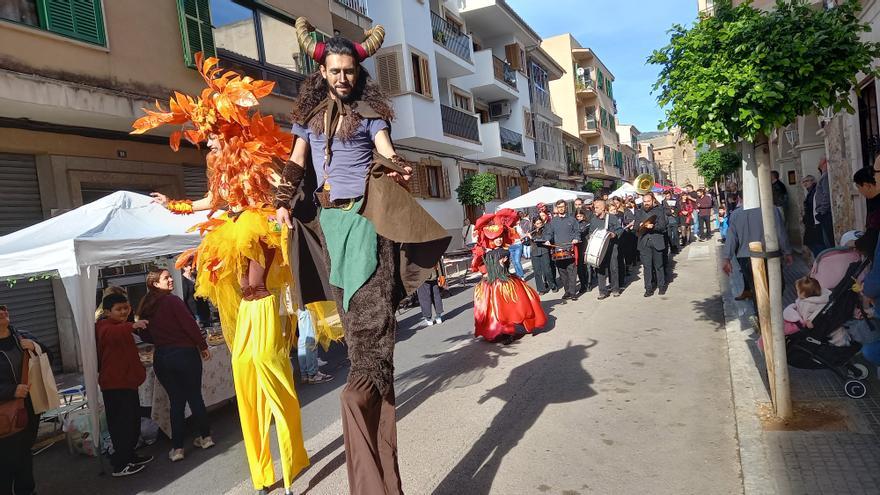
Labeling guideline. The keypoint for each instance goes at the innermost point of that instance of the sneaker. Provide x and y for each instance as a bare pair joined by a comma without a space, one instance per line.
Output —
128,470
140,461
321,362
317,378
203,442
602,296
175,455
617,294
427,322
438,320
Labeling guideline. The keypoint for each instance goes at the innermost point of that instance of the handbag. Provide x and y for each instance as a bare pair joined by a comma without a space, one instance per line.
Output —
43,390
13,413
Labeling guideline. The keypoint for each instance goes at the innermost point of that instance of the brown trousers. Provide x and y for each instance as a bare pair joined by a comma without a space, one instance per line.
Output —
369,424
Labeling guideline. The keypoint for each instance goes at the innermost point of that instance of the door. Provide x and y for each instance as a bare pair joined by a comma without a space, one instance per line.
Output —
868,126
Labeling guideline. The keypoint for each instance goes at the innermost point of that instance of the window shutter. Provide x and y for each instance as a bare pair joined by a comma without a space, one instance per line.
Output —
195,29
79,19
523,185
427,86
446,191
528,124
388,72
511,52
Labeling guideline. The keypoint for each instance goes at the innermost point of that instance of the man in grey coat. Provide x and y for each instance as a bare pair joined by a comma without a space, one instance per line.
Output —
745,226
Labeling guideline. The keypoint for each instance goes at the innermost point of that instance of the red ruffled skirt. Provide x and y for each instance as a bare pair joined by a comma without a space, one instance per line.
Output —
501,305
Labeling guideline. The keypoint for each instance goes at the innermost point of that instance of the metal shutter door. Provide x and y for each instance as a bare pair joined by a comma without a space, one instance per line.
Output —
195,182
31,304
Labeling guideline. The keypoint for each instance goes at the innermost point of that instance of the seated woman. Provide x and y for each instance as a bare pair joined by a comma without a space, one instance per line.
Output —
501,299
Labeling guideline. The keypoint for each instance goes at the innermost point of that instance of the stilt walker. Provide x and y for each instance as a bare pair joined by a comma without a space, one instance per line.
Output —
381,245
241,265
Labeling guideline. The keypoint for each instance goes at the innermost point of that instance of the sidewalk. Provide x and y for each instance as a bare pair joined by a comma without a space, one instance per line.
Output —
839,454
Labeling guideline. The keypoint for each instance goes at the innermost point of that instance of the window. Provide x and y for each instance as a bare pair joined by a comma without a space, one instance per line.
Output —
454,22
389,72
462,101
601,78
483,111
421,74
528,124
540,86
82,20
237,32
429,180
604,117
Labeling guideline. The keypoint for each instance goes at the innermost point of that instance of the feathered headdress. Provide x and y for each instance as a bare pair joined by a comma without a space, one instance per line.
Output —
247,143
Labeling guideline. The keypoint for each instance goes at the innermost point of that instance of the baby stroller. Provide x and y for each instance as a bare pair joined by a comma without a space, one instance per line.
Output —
836,269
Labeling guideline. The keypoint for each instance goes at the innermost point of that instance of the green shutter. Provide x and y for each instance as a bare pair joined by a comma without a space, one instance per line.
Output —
79,19
195,29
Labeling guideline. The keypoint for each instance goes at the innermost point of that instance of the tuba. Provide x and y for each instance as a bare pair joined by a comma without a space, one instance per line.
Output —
644,183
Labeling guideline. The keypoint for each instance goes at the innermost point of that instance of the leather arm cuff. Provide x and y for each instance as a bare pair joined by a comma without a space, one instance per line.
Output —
291,177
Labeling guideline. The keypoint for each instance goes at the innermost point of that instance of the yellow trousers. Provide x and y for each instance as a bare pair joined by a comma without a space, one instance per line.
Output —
264,389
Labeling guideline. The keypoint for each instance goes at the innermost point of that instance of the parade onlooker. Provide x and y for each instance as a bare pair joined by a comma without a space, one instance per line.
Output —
582,267
723,223
812,230
704,205
515,250
120,373
16,459
609,266
671,206
430,299
822,205
307,350
545,280
650,224
198,307
177,358
563,233
524,227
695,220
467,234
745,226
780,193
686,215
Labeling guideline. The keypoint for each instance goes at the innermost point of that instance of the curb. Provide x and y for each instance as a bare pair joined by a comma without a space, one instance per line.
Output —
748,391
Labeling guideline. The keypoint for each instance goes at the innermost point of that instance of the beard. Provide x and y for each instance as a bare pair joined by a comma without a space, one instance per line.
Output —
350,97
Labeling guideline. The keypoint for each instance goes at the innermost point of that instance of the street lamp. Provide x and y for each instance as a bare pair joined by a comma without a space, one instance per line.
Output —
830,4
791,135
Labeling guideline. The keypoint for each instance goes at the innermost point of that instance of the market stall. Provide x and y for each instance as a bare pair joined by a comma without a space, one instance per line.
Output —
120,228
545,194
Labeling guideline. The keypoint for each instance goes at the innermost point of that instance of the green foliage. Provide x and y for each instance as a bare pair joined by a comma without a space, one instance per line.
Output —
477,189
716,163
743,72
593,186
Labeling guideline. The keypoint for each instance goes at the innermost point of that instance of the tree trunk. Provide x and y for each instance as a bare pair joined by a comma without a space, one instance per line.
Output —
777,361
749,176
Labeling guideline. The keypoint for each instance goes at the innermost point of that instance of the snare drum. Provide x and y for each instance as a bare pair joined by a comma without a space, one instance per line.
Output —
563,253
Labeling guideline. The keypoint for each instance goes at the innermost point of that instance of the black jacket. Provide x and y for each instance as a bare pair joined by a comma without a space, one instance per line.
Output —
614,226
651,238
539,249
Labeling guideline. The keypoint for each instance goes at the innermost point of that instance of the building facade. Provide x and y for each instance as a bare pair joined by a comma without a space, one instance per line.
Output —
674,156
74,77
585,101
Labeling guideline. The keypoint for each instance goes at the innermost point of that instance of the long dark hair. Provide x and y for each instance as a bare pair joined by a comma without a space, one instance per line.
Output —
148,304
315,89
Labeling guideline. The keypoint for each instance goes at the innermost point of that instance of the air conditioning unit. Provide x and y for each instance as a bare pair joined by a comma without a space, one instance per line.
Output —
499,110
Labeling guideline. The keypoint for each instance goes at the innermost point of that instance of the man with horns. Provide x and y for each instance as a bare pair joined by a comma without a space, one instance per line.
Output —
380,243
241,264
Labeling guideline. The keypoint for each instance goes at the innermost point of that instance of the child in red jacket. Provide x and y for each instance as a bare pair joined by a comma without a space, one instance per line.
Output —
120,373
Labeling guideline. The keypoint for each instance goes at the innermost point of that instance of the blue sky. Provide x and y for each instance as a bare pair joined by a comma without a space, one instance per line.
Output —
628,32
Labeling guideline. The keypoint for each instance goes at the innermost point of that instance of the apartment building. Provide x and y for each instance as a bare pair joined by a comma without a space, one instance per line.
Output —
552,165
74,75
629,148
585,101
458,75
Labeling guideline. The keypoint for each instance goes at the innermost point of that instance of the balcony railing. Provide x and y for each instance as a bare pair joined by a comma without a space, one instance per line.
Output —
451,37
595,165
359,6
591,125
583,83
574,168
460,124
511,141
504,72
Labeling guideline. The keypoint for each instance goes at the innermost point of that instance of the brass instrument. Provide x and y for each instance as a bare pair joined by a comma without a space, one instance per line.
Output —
644,183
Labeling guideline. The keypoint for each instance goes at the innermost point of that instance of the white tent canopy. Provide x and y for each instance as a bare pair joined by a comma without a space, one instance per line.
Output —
121,227
626,189
546,195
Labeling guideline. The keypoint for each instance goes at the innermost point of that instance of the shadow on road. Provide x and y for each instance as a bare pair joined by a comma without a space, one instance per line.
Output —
527,392
710,309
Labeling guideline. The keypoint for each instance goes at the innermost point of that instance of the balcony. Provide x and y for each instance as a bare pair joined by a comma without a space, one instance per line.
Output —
511,141
590,128
585,87
449,37
492,79
460,124
600,169
574,169
359,6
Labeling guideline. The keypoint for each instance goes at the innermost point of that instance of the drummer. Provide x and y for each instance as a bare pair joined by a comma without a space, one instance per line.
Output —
564,235
609,265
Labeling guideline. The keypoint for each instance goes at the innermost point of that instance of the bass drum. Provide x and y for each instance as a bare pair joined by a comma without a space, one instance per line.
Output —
597,246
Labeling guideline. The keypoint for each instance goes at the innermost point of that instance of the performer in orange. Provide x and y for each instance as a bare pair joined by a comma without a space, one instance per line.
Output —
501,299
242,266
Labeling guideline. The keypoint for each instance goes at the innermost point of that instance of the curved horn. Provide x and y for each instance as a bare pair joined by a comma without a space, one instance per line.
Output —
306,42
374,40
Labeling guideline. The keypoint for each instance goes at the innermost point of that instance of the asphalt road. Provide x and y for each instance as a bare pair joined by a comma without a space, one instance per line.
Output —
626,395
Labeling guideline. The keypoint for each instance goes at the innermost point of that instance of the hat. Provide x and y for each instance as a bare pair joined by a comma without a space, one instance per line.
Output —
848,239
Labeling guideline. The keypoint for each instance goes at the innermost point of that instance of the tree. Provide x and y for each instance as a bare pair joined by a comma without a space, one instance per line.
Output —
477,189
593,186
716,163
741,72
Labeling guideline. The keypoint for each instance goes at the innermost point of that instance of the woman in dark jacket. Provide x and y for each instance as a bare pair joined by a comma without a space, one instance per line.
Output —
16,461
544,278
177,360
583,218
